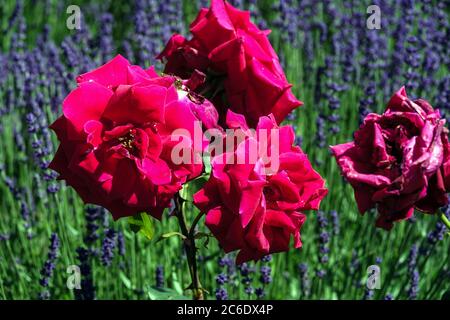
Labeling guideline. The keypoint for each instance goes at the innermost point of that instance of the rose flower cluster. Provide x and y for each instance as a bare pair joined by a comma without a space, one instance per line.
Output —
122,126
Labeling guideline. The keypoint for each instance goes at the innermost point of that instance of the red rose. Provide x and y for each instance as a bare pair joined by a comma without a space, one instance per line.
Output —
184,57
227,42
399,161
116,138
253,206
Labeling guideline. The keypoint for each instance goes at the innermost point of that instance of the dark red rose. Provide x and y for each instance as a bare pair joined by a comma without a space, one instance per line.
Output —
399,160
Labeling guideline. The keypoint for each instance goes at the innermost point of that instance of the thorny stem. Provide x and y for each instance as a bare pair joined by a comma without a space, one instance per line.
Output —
189,246
194,224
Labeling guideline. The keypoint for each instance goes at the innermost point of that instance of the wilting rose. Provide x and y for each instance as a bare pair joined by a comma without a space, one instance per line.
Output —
229,45
399,160
116,138
251,205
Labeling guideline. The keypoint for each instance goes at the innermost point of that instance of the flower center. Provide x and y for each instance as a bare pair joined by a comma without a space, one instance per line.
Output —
272,193
128,140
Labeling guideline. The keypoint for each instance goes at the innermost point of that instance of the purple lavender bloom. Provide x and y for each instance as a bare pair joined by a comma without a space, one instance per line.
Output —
228,273
244,269
258,18
225,262
9,100
159,277
4,237
398,53
18,12
413,63
305,284
298,140
69,50
235,3
108,246
246,275
413,273
52,188
221,279
302,268
205,3
49,266
443,97
291,116
87,291
367,101
334,118
355,263
335,221
26,216
320,133
142,29
106,41
92,216
265,277
389,297
31,122
221,294
121,243
320,273
368,294
324,237
260,293
19,37
350,51
11,183
287,21
436,235
128,50
412,258
414,285
249,290
335,129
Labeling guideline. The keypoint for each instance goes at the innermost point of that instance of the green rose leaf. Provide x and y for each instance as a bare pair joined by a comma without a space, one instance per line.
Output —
164,294
170,234
207,163
205,235
190,188
142,223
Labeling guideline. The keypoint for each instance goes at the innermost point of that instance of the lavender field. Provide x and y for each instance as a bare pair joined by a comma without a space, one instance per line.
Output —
339,68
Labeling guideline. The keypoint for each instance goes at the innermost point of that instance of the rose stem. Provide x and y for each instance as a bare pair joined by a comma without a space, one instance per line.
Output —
189,246
444,220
